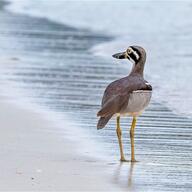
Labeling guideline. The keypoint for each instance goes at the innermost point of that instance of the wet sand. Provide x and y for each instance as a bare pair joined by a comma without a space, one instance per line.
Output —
35,156
55,69
35,159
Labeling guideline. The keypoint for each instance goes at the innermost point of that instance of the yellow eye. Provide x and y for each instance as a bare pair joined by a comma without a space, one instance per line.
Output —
129,50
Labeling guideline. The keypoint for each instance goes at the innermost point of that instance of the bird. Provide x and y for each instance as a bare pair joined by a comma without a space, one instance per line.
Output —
128,96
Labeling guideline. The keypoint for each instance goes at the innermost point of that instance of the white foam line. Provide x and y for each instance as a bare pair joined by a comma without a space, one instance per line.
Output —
11,92
62,122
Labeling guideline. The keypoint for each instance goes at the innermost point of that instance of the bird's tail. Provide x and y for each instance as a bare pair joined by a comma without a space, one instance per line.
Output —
103,121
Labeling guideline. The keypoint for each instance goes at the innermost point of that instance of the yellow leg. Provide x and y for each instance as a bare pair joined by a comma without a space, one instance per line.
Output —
132,133
118,130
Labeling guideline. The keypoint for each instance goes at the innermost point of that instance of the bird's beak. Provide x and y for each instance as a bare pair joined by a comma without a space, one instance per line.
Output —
122,55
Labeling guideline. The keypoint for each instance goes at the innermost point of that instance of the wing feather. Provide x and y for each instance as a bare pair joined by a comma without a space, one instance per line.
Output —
114,104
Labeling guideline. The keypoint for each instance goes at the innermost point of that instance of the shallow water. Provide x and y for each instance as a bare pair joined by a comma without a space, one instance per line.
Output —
161,27
51,65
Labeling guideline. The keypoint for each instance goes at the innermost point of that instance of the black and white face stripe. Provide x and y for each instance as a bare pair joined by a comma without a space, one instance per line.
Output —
133,54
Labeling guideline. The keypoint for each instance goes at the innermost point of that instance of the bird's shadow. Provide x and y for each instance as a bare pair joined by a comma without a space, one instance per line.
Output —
124,175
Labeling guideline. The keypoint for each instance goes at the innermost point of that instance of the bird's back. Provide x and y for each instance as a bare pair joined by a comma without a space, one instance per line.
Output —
117,94
129,83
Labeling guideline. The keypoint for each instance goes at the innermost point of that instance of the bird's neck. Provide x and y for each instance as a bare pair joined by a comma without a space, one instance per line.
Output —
138,67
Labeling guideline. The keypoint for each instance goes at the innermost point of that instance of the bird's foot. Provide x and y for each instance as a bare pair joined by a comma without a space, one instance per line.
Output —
124,160
130,161
134,161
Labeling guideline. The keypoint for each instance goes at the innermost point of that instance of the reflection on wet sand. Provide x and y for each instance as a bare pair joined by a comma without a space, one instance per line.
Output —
124,175
130,181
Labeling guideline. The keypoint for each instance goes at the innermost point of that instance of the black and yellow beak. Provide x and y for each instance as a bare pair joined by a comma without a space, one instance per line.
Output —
122,55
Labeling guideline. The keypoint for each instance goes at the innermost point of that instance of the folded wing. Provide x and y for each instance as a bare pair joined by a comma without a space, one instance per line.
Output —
114,104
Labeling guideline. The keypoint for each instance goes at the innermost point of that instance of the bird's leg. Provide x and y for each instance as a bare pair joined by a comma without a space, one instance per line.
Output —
118,130
132,130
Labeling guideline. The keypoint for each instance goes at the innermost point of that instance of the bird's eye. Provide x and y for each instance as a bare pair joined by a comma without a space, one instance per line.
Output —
129,50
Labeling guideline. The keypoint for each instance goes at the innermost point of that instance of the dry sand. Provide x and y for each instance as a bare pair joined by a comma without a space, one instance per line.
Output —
33,157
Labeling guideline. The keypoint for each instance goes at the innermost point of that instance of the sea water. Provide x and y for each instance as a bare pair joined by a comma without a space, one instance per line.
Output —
55,70
163,28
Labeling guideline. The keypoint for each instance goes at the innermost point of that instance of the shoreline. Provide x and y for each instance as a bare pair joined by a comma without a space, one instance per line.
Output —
56,70
35,154
34,158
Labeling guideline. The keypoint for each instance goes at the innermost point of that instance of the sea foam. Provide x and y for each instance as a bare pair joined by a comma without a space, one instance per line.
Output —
162,28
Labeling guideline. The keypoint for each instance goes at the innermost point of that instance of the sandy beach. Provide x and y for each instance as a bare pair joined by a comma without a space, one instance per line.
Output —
35,154
35,159
51,89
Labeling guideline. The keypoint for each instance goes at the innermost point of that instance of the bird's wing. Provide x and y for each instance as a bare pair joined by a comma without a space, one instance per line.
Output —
116,95
114,104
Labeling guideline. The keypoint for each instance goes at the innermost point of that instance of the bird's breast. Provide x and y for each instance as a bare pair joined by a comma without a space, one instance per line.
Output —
138,101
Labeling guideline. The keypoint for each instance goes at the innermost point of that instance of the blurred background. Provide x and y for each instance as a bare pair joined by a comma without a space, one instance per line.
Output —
163,28
58,59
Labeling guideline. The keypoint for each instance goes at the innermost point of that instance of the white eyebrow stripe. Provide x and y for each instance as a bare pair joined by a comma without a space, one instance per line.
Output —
131,59
136,54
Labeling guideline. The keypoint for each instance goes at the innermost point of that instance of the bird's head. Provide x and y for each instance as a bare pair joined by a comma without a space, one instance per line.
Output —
133,53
